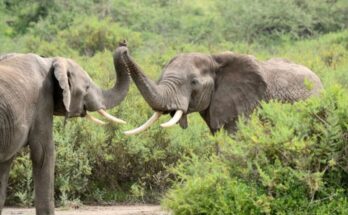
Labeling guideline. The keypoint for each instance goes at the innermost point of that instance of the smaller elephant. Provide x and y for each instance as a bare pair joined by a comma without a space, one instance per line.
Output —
221,87
32,90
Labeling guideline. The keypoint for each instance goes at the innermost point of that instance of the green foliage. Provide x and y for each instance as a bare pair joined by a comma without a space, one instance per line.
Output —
94,35
254,20
284,158
204,187
27,13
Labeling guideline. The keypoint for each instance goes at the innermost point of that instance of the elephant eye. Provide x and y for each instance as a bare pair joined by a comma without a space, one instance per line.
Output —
194,82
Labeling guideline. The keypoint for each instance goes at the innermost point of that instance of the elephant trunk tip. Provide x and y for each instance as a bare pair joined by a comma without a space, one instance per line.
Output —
123,43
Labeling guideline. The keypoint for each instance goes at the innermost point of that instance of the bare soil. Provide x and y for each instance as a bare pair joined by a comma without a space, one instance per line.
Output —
95,210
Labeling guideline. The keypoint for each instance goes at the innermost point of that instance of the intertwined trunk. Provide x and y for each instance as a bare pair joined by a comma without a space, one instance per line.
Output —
118,92
154,95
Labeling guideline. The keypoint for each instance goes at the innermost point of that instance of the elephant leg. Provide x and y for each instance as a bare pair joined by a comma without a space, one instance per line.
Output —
43,158
4,173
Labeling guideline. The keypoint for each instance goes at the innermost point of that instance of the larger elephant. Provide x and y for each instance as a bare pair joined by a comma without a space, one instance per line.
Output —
32,90
221,87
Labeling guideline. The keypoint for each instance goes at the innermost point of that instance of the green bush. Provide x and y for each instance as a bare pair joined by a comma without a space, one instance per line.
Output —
268,19
204,187
284,158
91,35
26,13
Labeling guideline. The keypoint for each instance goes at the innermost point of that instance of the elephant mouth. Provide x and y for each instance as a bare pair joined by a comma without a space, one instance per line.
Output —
183,120
84,111
83,114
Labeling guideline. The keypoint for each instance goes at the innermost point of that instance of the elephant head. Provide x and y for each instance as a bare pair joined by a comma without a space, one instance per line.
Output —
75,93
220,87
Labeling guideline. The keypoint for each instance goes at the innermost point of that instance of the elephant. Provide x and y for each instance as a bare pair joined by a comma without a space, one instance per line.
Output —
220,87
32,90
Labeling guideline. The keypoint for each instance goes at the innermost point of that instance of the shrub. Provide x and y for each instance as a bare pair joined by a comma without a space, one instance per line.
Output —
254,20
91,35
284,158
26,13
206,188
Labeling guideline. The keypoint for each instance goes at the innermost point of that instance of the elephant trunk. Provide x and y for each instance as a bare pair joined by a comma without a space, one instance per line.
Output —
118,92
114,96
153,94
161,97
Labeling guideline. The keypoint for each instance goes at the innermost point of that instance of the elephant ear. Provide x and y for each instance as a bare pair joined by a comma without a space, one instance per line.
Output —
62,75
239,86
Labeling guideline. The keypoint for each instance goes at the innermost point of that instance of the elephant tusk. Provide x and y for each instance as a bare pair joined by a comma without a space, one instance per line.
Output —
178,114
146,125
93,119
109,117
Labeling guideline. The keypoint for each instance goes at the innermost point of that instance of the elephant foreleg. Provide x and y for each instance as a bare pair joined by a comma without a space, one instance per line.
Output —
4,173
43,158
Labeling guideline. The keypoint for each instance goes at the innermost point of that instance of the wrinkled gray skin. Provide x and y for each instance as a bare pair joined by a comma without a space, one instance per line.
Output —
223,86
32,90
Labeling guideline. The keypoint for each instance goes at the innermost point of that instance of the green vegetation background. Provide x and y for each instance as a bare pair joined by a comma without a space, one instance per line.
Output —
285,158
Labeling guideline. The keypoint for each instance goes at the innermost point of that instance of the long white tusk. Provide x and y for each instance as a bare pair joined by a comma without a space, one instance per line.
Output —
177,116
109,117
146,125
93,119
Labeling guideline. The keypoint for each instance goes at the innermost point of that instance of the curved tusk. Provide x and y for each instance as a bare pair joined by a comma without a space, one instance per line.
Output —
146,125
93,119
177,116
110,117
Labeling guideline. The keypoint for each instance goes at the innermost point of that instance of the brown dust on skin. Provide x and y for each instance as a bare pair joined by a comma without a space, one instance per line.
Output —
95,210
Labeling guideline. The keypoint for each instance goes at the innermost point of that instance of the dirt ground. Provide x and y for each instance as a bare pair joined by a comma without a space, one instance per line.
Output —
95,210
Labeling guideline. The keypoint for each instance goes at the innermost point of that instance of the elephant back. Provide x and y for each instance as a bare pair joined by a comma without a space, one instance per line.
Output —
289,82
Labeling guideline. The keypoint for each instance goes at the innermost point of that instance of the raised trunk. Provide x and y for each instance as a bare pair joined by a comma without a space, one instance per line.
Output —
153,94
118,92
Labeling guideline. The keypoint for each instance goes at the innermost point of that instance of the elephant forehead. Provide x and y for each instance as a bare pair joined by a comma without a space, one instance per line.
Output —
189,61
77,71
